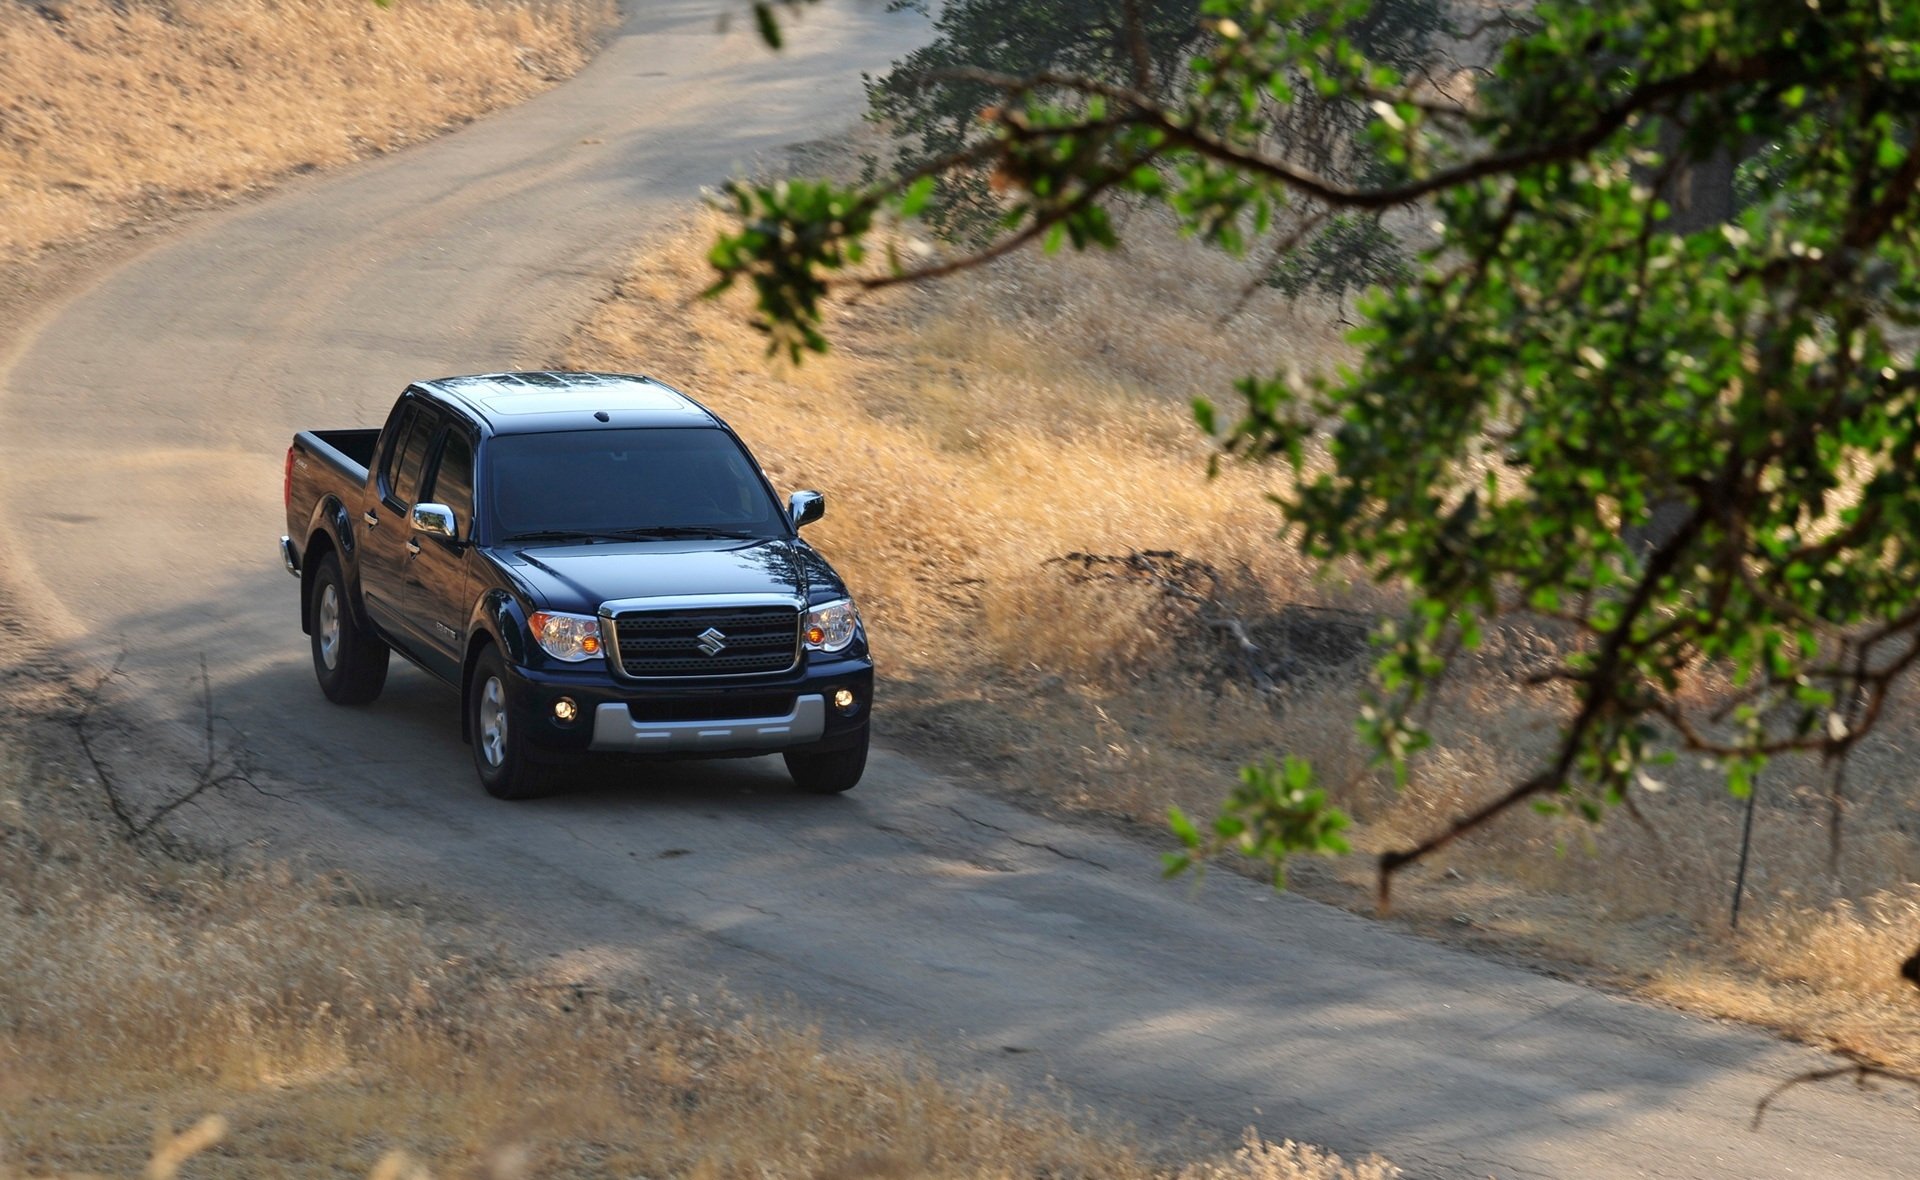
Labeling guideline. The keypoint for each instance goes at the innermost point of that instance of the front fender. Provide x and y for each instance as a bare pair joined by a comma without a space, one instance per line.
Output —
497,618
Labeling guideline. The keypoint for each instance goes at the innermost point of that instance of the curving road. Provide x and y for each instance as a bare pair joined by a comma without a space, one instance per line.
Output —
141,428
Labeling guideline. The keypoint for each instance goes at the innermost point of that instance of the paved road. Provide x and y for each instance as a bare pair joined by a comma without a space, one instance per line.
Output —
141,428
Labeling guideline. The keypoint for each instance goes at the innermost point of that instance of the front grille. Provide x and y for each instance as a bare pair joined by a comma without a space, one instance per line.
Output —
754,640
727,707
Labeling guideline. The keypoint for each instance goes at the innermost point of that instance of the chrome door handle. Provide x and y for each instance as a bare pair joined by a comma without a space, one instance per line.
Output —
370,518
413,547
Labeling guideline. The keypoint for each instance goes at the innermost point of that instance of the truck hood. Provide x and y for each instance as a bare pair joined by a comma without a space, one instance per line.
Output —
579,577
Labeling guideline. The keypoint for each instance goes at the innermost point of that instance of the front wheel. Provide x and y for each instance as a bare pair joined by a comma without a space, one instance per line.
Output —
829,773
349,662
500,753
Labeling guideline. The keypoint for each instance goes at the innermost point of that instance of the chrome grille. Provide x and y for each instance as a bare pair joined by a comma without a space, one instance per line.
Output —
752,640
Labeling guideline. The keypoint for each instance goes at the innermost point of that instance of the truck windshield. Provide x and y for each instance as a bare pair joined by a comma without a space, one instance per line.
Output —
619,483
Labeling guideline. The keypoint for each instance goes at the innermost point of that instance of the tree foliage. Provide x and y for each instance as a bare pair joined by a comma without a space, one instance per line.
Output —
1560,365
932,102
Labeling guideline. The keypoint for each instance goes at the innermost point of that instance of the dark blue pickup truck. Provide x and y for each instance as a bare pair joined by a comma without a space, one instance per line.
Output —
595,562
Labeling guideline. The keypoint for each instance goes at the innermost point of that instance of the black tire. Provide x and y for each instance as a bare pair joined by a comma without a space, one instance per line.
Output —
349,661
506,765
829,773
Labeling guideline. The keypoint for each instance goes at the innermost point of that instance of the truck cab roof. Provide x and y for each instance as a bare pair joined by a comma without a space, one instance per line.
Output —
542,402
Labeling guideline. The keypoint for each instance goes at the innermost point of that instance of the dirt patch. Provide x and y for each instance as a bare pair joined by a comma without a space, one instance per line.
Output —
1227,636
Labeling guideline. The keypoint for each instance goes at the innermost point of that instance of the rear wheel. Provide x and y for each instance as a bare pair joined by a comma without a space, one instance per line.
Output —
829,773
500,753
349,661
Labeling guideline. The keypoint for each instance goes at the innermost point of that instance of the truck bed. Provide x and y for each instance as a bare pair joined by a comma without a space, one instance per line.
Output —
356,447
323,464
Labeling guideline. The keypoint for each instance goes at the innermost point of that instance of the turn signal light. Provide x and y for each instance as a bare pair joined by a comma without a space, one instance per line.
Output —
566,637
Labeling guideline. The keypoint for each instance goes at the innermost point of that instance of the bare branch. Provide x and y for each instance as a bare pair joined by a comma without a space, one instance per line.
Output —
1708,76
1042,223
213,773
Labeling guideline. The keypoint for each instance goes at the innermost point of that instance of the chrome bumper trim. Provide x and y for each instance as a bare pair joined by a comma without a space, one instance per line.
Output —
287,556
614,729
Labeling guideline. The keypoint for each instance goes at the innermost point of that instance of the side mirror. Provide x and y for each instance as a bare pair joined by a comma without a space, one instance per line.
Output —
436,520
806,507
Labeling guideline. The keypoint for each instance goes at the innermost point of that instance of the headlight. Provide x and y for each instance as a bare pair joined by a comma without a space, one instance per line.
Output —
566,637
831,625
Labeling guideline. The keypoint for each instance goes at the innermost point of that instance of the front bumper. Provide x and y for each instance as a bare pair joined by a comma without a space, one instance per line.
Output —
740,718
615,729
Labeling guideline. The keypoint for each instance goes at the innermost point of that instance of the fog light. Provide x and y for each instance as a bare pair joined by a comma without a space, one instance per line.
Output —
564,710
843,699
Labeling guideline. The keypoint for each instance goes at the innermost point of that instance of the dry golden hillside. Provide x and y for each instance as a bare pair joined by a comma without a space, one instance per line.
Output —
111,112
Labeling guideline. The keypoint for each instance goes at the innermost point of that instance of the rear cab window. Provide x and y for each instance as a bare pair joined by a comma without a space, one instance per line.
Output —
407,457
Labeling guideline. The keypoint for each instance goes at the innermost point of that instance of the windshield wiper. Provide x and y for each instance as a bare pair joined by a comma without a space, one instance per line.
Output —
682,530
566,535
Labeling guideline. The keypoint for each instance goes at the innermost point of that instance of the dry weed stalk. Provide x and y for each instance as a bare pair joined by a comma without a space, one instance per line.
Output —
172,1150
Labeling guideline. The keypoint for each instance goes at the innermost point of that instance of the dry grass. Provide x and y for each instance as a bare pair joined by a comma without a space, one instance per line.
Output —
330,1031
971,433
112,110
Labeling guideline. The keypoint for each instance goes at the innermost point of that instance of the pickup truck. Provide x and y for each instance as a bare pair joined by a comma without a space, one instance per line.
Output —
596,564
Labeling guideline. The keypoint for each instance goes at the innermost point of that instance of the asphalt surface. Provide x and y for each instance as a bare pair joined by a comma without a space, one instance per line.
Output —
142,424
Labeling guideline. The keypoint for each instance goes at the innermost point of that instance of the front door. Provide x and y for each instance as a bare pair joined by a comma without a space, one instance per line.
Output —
385,532
434,576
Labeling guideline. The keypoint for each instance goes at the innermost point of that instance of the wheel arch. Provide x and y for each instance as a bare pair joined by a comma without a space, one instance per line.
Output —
318,547
498,621
329,531
477,643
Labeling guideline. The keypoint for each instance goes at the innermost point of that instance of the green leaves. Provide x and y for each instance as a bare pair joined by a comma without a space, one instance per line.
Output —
792,235
914,201
1276,811
767,24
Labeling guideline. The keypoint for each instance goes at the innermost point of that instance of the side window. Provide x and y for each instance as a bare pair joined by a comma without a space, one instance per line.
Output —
403,433
453,480
413,459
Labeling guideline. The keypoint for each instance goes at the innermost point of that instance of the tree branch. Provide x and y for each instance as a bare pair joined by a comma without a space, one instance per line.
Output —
1708,76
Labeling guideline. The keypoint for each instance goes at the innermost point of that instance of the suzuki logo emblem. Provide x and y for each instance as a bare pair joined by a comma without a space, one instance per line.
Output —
712,640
